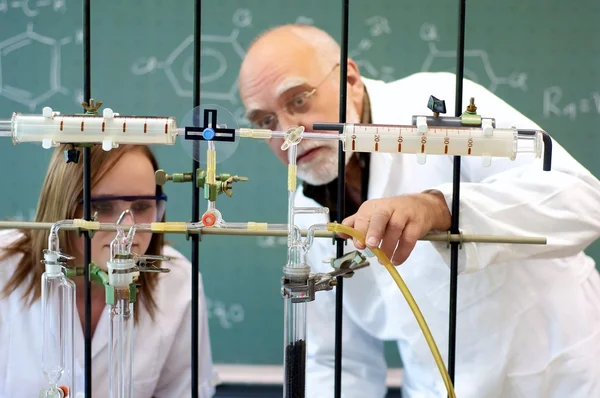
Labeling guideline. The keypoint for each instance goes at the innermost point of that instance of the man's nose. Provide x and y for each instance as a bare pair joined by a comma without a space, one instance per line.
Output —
285,121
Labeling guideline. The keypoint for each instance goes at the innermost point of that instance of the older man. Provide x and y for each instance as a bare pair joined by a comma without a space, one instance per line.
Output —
528,315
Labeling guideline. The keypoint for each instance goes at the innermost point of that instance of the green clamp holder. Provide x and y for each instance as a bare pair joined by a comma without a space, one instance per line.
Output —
470,117
200,178
100,277
224,182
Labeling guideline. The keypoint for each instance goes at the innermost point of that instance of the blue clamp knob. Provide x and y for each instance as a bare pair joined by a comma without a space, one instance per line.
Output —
208,133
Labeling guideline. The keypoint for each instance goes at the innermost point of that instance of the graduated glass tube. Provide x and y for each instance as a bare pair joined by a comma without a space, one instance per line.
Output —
58,307
109,129
121,274
296,273
121,348
294,312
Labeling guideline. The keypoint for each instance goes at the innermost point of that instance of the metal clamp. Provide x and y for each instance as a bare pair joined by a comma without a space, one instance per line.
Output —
61,260
81,232
349,262
146,263
461,239
304,291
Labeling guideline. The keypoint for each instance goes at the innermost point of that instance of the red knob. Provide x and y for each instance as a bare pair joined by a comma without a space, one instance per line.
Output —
208,219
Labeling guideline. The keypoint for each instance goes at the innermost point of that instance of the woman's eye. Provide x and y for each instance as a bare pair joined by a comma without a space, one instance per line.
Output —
141,206
102,207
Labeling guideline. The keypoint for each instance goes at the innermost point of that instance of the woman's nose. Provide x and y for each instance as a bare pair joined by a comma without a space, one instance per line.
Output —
126,218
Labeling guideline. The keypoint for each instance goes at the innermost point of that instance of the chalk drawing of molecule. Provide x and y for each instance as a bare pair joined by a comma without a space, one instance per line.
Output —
429,34
18,49
216,50
32,8
226,314
378,26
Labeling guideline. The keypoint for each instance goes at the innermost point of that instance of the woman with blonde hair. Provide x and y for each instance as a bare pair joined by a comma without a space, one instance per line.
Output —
122,186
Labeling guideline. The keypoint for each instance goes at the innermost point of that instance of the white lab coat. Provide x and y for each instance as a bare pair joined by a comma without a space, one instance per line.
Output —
528,315
162,358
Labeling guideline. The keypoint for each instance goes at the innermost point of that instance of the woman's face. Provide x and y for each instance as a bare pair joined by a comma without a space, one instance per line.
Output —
132,175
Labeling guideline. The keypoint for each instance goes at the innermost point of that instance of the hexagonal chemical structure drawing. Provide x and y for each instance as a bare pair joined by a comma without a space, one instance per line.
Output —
479,69
216,50
41,52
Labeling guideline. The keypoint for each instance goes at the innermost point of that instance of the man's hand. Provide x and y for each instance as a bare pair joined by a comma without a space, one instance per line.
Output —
395,224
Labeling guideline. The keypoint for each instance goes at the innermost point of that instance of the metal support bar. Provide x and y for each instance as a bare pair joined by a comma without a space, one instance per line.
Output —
341,193
195,256
454,228
87,245
433,237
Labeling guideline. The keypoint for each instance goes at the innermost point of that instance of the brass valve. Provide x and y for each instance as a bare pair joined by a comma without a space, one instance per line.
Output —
161,177
226,185
471,108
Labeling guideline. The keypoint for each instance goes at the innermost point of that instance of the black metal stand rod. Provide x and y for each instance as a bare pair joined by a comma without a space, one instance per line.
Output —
341,193
196,199
87,246
454,228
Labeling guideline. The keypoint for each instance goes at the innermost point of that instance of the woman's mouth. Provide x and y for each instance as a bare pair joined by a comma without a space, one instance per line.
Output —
134,246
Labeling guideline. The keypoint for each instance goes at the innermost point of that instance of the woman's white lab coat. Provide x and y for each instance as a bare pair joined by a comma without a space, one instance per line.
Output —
162,353
528,315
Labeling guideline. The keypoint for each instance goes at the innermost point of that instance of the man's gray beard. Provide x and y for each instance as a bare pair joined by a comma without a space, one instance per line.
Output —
323,172
327,170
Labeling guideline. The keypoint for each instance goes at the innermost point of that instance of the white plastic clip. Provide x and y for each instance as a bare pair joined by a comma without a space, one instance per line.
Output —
47,112
107,113
421,158
486,161
422,124
47,143
107,145
488,129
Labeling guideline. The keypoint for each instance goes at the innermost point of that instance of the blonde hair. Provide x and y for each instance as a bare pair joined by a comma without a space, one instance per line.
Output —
59,200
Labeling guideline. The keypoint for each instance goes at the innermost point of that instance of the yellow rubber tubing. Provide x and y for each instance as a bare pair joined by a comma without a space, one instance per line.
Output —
335,227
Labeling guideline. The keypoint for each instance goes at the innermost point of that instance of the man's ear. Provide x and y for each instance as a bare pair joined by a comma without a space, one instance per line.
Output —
356,86
353,74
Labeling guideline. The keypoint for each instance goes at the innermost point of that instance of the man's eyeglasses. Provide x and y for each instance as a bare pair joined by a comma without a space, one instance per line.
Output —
300,103
143,209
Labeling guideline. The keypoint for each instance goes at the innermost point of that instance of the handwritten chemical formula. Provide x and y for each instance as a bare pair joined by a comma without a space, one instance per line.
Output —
226,314
555,106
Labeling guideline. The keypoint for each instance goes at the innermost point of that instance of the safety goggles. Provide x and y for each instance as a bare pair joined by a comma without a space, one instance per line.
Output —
142,209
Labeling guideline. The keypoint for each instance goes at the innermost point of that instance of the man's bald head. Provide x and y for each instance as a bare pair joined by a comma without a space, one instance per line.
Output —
323,47
289,77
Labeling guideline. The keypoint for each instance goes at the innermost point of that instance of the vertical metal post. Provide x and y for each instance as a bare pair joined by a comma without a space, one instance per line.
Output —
87,246
196,197
341,193
454,228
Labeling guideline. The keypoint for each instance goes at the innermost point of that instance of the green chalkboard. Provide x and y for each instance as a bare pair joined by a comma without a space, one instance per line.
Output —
542,57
